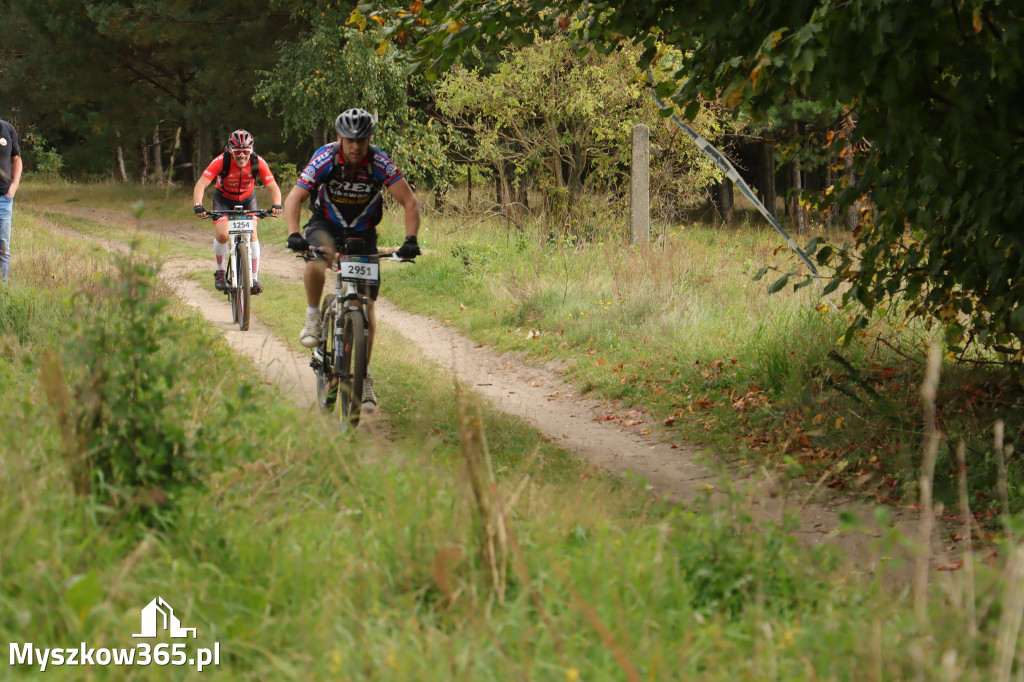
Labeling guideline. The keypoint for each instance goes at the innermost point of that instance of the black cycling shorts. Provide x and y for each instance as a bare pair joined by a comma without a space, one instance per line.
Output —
221,204
322,232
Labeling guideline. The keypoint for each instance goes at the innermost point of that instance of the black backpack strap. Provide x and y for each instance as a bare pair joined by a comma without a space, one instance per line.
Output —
225,165
254,159
254,163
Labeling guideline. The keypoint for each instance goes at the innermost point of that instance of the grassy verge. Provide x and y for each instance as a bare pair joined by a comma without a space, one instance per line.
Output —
307,555
680,330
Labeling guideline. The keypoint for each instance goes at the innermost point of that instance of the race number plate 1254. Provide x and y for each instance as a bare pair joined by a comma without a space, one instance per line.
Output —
240,226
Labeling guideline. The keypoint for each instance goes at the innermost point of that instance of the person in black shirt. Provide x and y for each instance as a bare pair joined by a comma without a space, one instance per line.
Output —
10,178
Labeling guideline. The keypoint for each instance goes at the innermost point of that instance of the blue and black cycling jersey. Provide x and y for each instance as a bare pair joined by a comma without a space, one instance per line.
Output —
349,200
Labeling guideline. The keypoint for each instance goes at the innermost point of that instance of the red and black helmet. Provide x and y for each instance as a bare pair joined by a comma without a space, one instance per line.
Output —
240,139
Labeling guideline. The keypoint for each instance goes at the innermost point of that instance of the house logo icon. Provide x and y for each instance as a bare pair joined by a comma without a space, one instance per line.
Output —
158,614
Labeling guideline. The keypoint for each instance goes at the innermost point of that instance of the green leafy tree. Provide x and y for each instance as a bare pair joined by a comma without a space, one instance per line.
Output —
934,87
104,74
562,120
331,69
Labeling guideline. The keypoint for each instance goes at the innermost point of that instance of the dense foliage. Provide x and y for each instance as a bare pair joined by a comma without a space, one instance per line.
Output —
337,67
559,121
933,88
107,76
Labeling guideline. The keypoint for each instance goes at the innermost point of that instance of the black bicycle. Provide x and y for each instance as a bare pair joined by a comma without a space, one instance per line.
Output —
340,359
238,270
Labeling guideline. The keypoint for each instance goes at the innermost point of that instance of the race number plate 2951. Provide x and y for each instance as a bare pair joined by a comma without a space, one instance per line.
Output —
240,226
360,271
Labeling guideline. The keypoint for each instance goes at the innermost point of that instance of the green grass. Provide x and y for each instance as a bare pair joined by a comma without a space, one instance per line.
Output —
310,555
681,330
164,202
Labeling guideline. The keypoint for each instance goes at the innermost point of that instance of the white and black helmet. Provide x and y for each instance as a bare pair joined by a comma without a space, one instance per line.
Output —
355,124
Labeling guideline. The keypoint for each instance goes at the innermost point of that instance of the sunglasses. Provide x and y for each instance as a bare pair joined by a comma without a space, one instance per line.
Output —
241,152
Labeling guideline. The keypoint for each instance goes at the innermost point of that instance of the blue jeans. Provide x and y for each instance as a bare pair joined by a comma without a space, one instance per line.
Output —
6,213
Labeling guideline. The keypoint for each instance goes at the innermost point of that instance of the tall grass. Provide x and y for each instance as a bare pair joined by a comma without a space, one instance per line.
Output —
309,555
680,329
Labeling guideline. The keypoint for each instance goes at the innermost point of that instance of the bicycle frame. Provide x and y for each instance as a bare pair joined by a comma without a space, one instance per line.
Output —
340,359
238,269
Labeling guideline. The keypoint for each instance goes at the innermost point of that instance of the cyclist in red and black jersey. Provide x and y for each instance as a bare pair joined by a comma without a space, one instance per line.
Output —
235,186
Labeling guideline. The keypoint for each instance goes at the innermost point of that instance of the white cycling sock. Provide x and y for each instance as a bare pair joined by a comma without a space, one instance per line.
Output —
254,248
312,309
219,251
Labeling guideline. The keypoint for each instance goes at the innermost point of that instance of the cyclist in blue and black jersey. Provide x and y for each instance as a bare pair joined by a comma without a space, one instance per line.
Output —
343,182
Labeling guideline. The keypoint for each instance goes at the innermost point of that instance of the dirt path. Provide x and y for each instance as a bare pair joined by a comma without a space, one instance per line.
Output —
537,393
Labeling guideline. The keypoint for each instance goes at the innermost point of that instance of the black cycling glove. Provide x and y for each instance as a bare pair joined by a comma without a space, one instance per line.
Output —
410,249
199,210
296,242
277,207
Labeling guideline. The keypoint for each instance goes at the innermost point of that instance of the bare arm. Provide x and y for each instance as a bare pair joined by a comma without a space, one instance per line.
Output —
275,194
200,189
293,207
16,166
403,194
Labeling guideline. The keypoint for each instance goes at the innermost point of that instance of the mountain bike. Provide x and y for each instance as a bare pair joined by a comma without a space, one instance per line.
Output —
238,269
340,360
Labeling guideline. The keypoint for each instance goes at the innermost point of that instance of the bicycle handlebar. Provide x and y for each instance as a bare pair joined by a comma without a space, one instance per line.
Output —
257,213
320,253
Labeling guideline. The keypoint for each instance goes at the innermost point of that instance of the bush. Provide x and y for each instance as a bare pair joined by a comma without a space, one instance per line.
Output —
118,390
285,172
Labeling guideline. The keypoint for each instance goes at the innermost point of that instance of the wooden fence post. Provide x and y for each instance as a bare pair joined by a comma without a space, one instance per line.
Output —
640,186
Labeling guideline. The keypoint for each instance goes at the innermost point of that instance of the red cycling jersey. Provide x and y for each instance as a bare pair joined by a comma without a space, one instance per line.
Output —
239,183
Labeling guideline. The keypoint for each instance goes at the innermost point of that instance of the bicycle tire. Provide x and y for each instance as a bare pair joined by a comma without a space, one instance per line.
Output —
244,286
229,278
352,372
326,394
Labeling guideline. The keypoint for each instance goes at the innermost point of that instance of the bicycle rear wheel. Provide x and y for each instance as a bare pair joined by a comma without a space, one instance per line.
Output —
326,382
244,266
352,371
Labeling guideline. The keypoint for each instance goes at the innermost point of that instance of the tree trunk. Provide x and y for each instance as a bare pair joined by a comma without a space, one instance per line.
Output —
158,162
188,153
469,187
852,213
499,181
119,158
319,137
144,162
830,181
174,151
724,204
766,176
796,208
522,193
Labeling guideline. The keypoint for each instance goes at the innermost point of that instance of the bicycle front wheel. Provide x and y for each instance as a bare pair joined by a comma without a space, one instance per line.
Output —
244,269
232,292
326,382
352,371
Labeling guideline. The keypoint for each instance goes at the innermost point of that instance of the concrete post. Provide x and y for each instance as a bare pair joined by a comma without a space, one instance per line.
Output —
640,186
